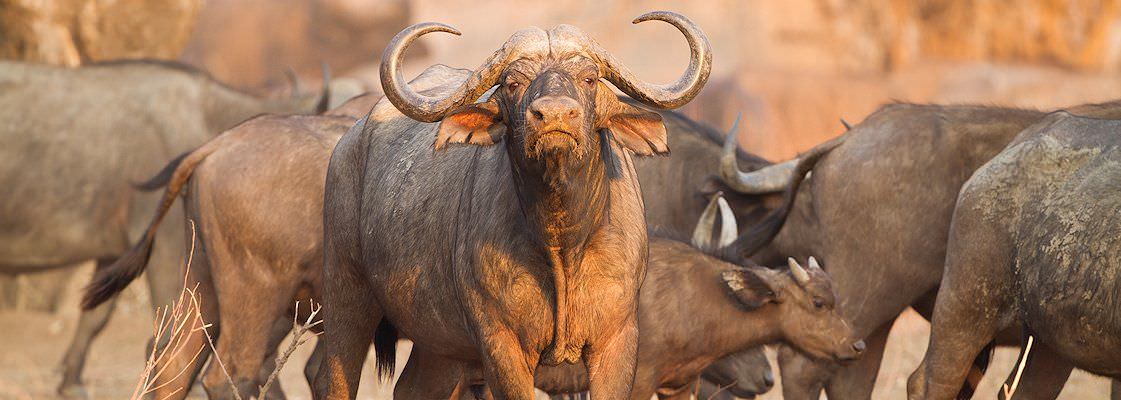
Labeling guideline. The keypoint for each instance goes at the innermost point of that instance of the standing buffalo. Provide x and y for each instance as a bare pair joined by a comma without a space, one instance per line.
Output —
1035,242
877,210
504,257
256,197
74,142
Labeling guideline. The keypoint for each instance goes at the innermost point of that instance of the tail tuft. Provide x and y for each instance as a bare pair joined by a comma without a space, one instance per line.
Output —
385,349
109,281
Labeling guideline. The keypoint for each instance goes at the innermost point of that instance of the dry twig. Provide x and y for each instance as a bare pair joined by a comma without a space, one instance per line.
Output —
298,331
1009,391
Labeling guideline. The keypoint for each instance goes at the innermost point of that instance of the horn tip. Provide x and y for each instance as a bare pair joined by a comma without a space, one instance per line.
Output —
658,15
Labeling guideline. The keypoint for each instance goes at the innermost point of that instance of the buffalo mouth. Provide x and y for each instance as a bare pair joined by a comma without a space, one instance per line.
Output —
554,142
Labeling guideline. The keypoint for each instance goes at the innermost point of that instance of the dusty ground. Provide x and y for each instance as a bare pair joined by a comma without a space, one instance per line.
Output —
32,343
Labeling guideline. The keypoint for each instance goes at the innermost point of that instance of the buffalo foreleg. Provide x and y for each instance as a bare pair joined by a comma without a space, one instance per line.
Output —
611,365
506,367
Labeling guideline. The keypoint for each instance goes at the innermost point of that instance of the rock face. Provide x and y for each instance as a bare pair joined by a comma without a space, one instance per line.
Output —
70,32
249,45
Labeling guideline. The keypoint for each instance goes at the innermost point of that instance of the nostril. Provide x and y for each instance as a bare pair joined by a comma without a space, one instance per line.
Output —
769,379
537,114
573,113
858,346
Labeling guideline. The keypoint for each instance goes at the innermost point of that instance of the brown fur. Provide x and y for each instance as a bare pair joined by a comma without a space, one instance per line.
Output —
255,193
689,318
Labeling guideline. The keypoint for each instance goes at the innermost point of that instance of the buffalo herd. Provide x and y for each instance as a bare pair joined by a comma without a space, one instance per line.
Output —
528,228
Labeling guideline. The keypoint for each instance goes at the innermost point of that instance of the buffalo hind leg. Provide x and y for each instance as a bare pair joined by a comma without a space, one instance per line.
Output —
90,324
311,369
506,367
611,367
352,315
1044,375
972,306
428,376
248,332
187,351
280,330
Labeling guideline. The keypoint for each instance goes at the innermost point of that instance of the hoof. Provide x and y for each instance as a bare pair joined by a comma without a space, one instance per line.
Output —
75,391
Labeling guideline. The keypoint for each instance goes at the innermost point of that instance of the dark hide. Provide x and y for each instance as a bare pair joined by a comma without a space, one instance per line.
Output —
1035,242
877,211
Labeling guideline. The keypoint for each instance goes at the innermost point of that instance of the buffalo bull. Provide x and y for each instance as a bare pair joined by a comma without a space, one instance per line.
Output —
1035,243
74,142
497,258
877,210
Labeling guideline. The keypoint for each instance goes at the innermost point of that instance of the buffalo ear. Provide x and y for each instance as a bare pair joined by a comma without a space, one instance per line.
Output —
639,130
479,124
752,287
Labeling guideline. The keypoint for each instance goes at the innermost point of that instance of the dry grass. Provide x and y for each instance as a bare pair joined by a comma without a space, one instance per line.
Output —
175,325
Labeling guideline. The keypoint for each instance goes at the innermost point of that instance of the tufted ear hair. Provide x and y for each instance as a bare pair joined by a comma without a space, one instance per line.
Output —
752,287
635,128
639,130
478,124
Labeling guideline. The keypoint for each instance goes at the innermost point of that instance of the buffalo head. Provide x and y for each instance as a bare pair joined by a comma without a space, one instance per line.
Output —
551,103
805,300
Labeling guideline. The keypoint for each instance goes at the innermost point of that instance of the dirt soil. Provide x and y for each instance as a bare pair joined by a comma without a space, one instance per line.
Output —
32,343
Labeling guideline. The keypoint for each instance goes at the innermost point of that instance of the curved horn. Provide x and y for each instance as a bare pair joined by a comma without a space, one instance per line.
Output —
670,95
769,179
431,109
848,126
702,234
800,274
728,229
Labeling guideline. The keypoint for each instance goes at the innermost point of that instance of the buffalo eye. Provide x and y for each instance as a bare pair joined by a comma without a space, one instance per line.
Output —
513,85
819,303
590,81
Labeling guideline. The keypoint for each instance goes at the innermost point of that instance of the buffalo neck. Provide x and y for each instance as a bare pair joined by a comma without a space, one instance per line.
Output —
739,329
564,199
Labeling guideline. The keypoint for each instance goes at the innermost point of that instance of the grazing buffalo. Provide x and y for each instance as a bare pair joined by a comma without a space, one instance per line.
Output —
877,210
75,139
497,258
695,308
1035,243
